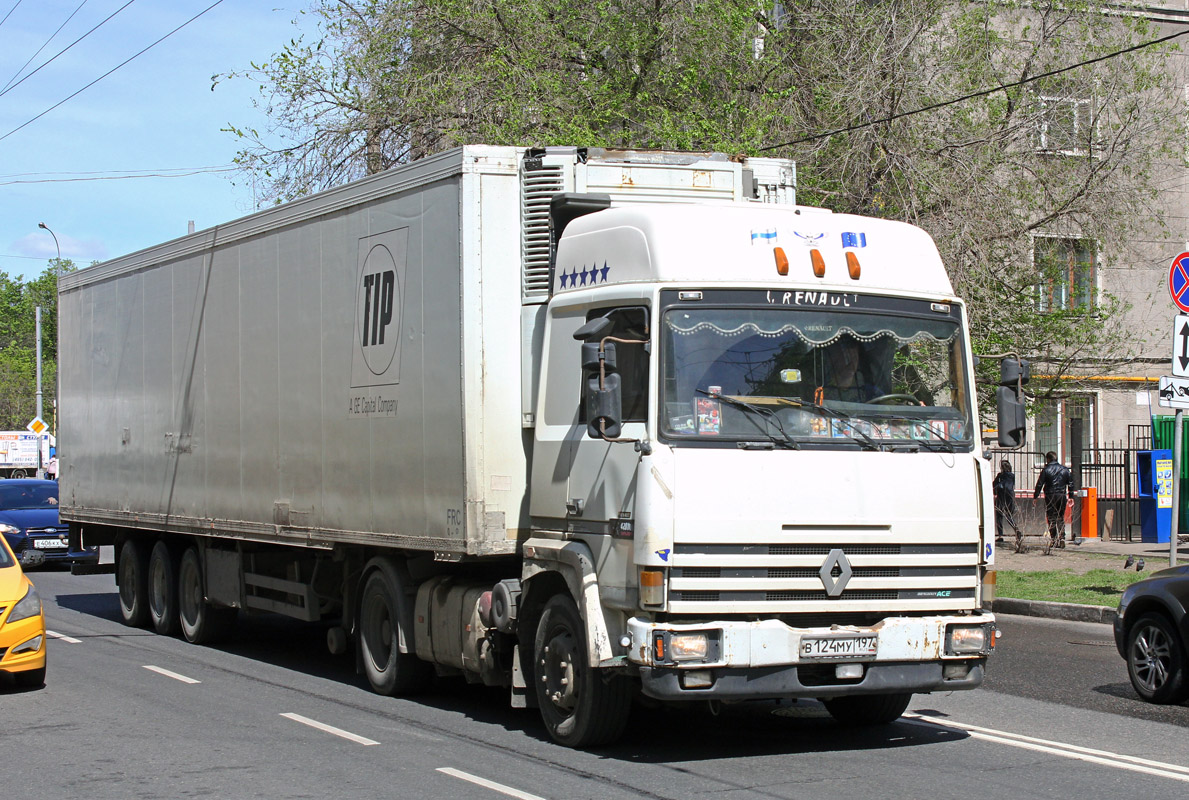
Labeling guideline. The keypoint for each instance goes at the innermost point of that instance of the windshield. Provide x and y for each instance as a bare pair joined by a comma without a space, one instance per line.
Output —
814,376
27,496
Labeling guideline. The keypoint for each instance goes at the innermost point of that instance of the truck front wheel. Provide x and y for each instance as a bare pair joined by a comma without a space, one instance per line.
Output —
867,709
389,671
163,589
581,706
134,586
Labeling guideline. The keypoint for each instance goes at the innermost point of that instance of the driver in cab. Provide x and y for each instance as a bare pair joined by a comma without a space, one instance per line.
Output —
844,377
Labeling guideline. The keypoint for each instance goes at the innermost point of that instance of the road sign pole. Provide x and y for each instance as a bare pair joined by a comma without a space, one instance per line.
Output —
1176,490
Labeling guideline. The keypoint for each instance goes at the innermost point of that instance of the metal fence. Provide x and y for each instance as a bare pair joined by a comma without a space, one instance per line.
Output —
1109,469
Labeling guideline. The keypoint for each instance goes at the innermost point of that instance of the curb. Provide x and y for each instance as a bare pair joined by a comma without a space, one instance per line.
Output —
1068,611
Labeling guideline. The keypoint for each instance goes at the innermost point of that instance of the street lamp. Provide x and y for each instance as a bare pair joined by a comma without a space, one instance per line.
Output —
58,263
57,273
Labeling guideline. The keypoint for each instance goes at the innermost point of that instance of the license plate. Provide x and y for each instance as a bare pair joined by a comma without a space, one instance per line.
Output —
49,544
859,645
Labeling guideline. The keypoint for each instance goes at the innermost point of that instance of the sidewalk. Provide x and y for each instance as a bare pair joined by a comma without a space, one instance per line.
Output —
1155,558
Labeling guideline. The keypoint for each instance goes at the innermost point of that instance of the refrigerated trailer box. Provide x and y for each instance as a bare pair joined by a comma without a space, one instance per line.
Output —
565,420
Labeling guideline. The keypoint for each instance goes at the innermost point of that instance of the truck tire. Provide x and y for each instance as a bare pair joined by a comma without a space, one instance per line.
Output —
134,586
163,590
867,709
18,473
581,706
388,670
1156,660
201,622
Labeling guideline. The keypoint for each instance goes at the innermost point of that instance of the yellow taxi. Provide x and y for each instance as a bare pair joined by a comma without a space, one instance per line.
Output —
22,621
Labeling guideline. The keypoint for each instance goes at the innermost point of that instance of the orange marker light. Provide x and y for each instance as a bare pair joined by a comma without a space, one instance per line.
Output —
852,265
782,261
819,266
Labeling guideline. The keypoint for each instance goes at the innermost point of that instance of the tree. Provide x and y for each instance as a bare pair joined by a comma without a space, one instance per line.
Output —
19,300
1067,155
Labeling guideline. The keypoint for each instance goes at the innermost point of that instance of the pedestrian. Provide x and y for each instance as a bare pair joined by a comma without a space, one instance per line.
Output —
1056,480
51,468
1005,500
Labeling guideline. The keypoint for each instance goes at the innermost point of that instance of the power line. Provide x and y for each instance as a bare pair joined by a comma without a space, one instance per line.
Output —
123,172
123,177
110,71
8,89
981,93
9,14
43,46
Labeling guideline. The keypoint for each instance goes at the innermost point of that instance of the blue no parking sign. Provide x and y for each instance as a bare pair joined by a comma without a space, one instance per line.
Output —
1178,281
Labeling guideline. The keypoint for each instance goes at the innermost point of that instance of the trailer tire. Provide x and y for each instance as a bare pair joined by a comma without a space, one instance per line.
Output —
581,706
134,583
867,709
201,622
163,590
388,670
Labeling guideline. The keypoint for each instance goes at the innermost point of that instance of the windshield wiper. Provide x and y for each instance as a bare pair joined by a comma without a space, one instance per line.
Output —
860,438
784,440
946,445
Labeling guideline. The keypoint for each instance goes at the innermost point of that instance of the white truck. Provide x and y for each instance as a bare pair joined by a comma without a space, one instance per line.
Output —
575,422
23,453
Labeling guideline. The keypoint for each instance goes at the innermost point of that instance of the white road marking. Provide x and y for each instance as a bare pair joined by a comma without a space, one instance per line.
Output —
63,637
1105,757
169,674
496,787
322,726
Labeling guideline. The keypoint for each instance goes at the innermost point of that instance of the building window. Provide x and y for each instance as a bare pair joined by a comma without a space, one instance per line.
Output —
1054,424
1064,126
1066,268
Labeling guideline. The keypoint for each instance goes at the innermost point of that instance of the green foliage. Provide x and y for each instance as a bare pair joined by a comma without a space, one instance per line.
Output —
1071,154
19,300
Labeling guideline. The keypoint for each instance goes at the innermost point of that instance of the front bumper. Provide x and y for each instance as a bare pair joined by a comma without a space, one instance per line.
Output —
14,636
764,659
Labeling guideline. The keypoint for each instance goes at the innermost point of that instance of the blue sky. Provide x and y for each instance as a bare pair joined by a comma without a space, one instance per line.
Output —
156,113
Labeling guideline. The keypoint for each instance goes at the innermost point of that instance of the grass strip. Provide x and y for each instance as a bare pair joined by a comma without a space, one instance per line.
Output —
1098,587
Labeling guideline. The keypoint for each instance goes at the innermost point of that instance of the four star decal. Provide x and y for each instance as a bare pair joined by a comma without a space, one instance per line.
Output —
587,276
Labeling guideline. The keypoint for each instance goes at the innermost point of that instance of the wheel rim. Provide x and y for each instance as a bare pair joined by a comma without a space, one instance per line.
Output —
1151,658
377,629
189,594
127,582
157,587
559,669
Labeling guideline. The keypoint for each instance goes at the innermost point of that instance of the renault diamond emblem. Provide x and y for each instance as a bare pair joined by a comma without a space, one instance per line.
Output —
834,586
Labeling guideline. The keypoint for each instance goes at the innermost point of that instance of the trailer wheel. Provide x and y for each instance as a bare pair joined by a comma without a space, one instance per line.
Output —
389,671
201,622
581,706
163,590
134,587
867,709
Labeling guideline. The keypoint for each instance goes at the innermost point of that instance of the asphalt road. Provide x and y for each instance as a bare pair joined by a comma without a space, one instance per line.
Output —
126,713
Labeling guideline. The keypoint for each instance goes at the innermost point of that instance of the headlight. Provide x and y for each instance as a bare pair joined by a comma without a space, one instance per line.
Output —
688,647
6,528
964,639
29,606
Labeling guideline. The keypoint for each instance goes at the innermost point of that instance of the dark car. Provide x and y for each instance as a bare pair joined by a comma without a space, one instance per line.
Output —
1151,630
29,519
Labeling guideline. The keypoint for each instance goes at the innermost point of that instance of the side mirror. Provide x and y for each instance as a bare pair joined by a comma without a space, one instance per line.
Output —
594,330
1011,417
604,407
32,558
1014,373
